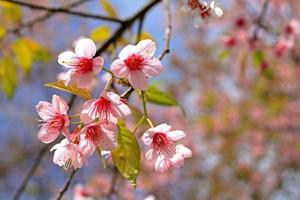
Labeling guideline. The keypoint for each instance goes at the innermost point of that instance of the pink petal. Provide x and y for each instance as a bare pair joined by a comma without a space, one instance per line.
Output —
85,48
162,164
127,51
43,110
177,160
108,143
149,155
83,80
59,104
97,64
45,136
111,96
162,128
153,67
119,69
176,135
146,48
184,151
66,58
85,116
147,137
68,77
138,80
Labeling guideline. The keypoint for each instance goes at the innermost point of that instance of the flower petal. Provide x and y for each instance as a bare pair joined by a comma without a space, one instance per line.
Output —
149,155
85,48
184,151
138,80
60,104
127,51
97,64
46,136
66,58
146,48
83,80
162,164
85,113
119,69
44,110
162,128
176,135
153,67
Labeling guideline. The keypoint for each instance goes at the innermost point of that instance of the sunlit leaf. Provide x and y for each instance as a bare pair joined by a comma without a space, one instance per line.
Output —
156,96
84,93
100,34
2,32
8,76
223,55
108,8
127,156
10,12
258,57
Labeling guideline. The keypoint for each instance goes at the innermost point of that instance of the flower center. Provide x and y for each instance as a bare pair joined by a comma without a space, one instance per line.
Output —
56,123
134,62
101,109
83,65
163,145
94,133
205,11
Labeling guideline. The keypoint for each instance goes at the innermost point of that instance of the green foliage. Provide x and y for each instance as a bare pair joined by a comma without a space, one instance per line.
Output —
127,156
156,96
9,13
100,34
8,76
73,89
108,8
258,57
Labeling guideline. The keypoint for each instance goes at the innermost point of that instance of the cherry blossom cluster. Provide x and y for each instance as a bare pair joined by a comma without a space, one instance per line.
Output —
203,11
99,117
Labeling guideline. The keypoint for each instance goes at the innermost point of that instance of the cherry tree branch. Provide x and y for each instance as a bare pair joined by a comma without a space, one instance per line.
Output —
167,30
260,20
65,11
66,185
44,17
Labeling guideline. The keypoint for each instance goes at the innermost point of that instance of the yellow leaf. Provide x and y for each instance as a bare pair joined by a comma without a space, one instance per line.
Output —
23,53
8,76
100,34
10,12
73,89
2,32
108,8
146,35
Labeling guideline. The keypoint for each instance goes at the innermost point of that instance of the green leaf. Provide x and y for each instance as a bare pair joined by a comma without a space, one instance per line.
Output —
127,156
8,76
154,95
100,34
257,58
73,89
223,55
108,8
10,12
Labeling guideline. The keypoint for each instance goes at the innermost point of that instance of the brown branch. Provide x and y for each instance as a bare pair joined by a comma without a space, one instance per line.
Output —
66,185
65,11
260,20
167,31
44,17
113,183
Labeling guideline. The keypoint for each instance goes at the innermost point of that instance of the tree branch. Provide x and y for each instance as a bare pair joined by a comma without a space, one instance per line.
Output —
260,20
66,185
167,31
65,11
43,17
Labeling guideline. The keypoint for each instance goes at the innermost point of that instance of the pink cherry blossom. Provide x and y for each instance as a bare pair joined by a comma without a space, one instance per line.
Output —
82,193
54,119
136,63
81,64
202,11
68,154
163,148
109,107
98,135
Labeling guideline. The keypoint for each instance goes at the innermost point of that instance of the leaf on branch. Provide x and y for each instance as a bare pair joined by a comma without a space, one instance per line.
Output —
2,32
73,89
127,156
258,57
11,13
100,34
108,8
8,76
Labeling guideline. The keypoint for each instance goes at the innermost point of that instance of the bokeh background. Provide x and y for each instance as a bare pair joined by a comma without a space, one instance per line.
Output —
240,94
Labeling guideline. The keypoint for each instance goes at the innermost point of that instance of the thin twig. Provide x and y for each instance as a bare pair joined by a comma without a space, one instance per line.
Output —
31,171
65,11
113,183
44,17
260,20
66,185
167,30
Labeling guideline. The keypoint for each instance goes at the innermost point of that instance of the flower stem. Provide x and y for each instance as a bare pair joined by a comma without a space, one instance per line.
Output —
107,70
145,110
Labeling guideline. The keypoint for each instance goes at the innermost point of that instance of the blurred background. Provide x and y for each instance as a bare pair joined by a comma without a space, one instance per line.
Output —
237,78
